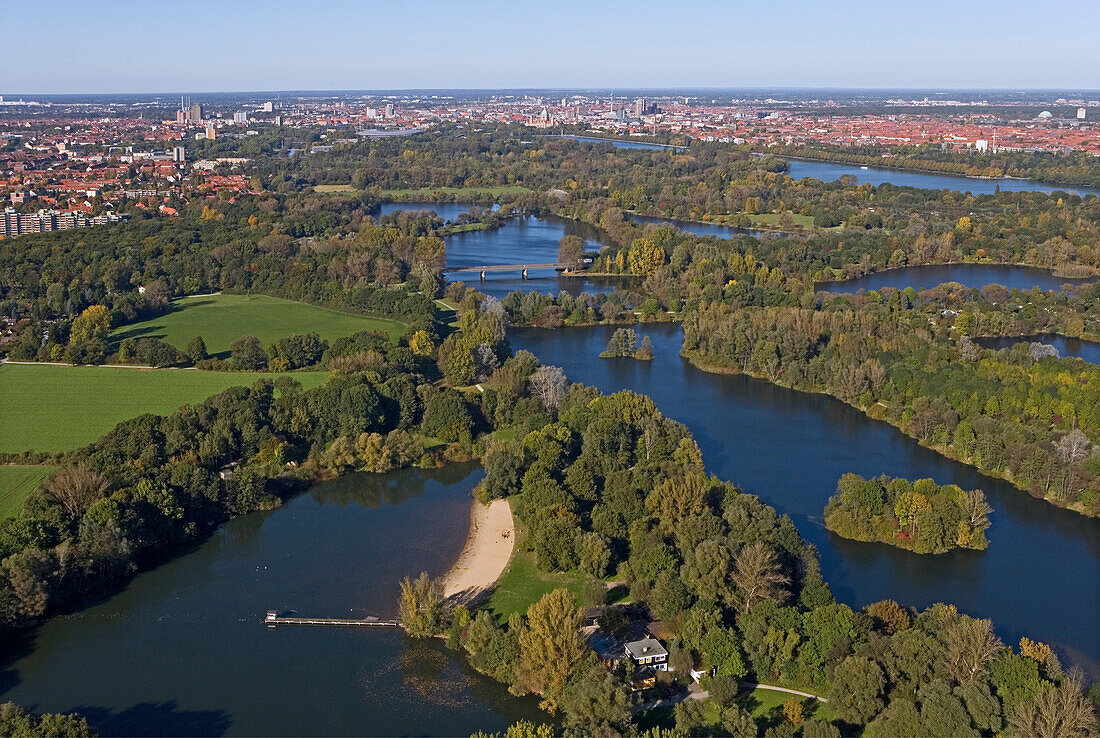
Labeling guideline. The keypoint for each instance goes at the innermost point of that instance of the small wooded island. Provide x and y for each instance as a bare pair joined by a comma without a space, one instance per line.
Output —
920,516
624,343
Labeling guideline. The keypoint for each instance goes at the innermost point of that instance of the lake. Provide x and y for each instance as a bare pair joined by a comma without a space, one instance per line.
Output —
830,171
698,229
1038,577
968,275
183,650
523,240
1087,350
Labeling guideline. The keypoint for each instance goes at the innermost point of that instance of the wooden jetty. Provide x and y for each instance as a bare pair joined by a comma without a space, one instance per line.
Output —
273,619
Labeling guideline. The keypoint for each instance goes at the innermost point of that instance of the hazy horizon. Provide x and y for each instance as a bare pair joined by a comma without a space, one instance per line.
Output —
341,45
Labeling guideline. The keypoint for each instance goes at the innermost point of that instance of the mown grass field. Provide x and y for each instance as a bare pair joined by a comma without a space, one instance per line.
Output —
16,482
335,188
771,220
58,408
222,319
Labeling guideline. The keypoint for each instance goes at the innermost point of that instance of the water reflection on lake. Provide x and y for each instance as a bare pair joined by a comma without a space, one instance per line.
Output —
968,275
183,650
1087,350
830,171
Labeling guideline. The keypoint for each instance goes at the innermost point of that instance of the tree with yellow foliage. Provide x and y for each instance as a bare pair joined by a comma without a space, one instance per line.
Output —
645,256
93,323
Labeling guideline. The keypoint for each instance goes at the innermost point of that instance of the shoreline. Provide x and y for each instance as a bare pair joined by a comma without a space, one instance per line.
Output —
485,556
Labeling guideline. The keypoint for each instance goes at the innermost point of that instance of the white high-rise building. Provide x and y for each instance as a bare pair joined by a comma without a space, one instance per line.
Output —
240,118
1080,113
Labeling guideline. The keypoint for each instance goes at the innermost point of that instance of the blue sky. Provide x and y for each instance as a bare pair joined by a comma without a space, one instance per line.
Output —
86,46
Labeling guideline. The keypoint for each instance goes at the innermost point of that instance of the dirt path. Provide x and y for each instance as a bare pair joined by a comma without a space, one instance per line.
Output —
487,552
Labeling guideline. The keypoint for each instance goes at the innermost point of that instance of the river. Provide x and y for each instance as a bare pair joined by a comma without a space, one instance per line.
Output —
830,171
182,650
523,240
968,275
1038,577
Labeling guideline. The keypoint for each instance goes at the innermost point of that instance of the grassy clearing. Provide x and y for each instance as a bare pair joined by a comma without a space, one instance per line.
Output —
771,220
468,227
222,319
523,583
335,188
447,312
16,482
467,191
58,408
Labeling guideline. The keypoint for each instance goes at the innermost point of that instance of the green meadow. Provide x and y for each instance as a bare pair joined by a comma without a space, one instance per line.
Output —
222,319
16,482
59,408
466,191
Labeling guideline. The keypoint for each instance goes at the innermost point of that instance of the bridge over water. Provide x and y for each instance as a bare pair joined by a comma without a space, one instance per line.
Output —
566,270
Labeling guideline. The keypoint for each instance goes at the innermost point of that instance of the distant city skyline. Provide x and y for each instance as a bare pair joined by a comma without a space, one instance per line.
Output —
95,48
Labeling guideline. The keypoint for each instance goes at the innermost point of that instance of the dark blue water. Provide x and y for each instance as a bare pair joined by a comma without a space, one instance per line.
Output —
623,144
698,229
446,210
1087,350
526,240
1040,576
968,275
183,649
829,171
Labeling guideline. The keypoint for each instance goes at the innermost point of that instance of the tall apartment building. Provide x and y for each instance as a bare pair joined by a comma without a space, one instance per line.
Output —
17,224
197,113
240,118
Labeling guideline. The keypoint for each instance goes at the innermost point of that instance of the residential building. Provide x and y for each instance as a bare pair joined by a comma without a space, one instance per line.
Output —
648,653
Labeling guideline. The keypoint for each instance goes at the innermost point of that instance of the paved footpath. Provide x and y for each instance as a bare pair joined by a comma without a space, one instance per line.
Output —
695,692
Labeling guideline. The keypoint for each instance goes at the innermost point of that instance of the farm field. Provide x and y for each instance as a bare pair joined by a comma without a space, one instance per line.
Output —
59,408
222,319
16,482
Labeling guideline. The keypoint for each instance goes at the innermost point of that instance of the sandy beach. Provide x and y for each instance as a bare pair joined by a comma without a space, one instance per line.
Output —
487,552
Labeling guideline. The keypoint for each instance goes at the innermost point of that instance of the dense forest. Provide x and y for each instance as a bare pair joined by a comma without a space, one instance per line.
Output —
921,516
